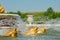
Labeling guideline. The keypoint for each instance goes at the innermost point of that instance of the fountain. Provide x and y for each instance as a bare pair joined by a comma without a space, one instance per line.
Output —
9,22
30,19
51,34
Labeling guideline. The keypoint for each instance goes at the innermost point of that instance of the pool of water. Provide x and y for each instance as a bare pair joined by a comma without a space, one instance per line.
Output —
50,35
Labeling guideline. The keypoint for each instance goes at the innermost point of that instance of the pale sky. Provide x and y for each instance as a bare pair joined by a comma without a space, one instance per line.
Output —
30,5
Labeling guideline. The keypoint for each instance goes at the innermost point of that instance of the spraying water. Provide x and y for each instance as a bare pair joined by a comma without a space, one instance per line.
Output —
21,26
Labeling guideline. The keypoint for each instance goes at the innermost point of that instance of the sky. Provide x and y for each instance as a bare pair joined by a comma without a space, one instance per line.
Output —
30,5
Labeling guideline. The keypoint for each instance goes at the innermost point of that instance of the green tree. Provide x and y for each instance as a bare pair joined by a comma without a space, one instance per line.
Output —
12,12
18,12
50,10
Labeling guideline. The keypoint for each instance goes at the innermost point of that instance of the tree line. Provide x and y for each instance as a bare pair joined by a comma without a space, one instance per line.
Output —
48,14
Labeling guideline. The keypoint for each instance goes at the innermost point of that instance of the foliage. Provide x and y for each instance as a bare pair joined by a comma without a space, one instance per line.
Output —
50,10
49,14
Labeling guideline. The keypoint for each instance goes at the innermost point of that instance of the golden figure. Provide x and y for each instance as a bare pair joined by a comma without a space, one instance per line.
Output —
35,31
2,9
12,33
